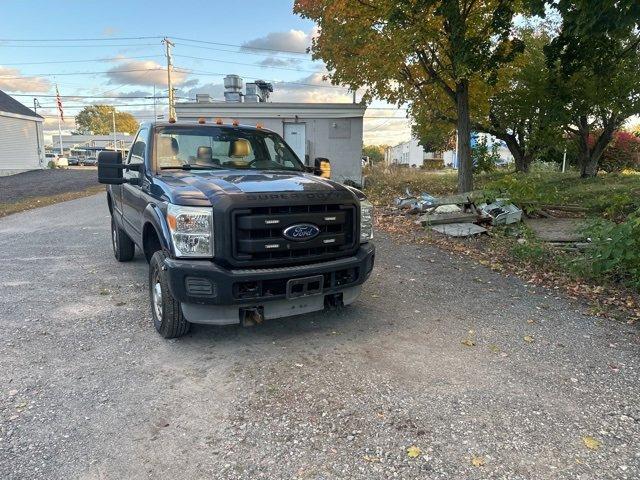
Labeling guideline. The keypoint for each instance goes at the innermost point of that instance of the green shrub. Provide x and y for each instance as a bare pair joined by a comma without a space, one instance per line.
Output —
484,158
614,252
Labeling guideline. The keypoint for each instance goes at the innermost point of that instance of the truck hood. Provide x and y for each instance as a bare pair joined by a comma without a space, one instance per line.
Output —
205,187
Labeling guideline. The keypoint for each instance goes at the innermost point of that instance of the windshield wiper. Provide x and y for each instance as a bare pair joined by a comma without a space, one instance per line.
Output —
188,166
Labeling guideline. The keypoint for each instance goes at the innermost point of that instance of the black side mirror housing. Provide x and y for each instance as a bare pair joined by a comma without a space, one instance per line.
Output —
110,168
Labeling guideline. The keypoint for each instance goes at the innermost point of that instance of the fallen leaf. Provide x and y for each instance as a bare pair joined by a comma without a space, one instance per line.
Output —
531,320
528,338
468,342
478,461
591,443
371,458
413,451
494,348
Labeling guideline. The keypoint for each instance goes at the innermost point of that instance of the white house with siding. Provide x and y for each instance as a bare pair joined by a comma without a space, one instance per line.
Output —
21,139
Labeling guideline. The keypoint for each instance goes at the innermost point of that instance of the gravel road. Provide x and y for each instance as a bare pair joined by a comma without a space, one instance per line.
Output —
90,391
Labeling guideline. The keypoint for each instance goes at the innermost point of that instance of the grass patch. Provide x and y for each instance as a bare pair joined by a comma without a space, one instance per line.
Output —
36,202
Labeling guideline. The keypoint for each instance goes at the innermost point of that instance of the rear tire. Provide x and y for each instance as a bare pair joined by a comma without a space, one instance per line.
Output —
167,314
123,246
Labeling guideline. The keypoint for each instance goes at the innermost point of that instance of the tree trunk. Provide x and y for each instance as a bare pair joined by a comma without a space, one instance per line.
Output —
465,166
589,157
521,157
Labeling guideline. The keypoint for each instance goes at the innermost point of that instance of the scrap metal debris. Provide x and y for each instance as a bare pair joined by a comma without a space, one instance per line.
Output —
459,229
501,212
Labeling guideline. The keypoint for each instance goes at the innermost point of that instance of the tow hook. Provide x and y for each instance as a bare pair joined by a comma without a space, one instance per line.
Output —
251,317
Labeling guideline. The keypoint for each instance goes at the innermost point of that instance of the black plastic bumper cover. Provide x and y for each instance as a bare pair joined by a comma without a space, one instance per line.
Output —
188,272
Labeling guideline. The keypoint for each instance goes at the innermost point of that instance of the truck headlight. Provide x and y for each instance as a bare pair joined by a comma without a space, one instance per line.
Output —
366,221
191,230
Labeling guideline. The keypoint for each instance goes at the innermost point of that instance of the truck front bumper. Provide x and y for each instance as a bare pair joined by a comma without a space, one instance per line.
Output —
212,294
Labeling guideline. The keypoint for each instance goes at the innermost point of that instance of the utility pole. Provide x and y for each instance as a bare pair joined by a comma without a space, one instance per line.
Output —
115,138
168,44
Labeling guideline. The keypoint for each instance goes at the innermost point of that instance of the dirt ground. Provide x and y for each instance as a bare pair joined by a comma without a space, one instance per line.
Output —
474,373
43,183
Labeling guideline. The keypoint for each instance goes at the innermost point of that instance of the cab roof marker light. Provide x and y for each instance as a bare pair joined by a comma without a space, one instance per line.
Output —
235,123
218,121
201,121
259,126
172,120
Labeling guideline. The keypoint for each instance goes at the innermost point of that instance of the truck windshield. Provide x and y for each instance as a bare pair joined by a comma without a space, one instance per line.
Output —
209,147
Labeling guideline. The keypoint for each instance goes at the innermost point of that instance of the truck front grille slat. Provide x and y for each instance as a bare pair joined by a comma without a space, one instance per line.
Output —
258,233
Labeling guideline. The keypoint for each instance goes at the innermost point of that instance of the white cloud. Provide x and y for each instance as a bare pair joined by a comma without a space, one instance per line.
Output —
12,80
144,73
279,62
291,41
379,131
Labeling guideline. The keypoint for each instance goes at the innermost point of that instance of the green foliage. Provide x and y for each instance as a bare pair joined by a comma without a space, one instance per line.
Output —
484,158
98,119
424,53
614,253
613,196
374,152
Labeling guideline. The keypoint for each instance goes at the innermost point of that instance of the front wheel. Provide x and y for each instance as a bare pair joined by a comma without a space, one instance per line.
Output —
167,314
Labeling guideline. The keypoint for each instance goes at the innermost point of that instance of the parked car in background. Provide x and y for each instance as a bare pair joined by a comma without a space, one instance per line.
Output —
58,161
89,161
73,161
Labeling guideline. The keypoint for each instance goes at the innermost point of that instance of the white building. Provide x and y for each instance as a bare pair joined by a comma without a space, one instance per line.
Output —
312,130
407,153
90,144
412,154
21,139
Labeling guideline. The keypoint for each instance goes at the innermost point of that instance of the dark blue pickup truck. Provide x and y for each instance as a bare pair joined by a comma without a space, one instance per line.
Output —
236,229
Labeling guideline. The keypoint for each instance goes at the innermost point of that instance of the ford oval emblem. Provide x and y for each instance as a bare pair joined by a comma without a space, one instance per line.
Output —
300,232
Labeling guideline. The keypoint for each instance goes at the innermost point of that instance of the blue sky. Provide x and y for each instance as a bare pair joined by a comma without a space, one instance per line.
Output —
112,65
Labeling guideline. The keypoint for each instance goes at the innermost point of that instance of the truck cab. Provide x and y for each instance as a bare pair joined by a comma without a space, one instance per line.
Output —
235,228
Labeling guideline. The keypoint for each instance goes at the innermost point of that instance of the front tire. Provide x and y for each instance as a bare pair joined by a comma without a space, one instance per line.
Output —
123,246
167,314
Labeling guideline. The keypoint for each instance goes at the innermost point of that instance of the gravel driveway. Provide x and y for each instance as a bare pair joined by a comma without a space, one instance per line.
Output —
90,391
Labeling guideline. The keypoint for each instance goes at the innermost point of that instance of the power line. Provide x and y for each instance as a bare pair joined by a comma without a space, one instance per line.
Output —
153,37
296,52
85,96
83,61
82,46
102,39
84,73
247,64
242,52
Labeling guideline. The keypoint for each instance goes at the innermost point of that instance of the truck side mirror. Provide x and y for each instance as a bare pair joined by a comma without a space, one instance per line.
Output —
323,167
110,168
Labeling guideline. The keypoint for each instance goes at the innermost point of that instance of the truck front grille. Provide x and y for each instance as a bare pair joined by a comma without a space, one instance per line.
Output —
258,233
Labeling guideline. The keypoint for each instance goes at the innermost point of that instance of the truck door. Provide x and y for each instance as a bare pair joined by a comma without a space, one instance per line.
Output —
132,197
